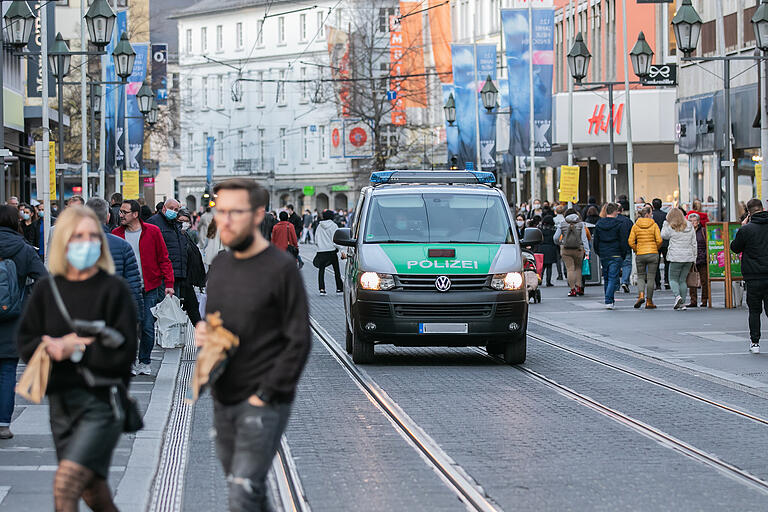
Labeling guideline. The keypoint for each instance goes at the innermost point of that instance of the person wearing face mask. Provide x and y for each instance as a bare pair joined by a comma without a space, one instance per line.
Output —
520,223
86,370
40,210
30,225
536,210
28,264
175,240
195,270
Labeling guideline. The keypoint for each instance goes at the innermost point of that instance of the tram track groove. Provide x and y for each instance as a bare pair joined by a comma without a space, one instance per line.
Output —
663,438
466,489
289,489
652,380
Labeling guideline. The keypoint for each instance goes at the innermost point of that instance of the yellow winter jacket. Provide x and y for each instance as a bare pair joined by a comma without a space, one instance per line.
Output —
645,237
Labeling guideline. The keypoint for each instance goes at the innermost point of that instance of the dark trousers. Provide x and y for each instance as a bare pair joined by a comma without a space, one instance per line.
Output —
611,268
703,269
7,389
247,438
559,264
663,255
757,302
333,262
151,299
186,294
547,272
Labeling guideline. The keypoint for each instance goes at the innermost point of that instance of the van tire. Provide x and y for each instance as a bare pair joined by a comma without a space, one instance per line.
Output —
362,351
349,339
514,352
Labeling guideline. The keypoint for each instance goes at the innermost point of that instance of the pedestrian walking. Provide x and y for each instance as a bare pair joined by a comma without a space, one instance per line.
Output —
175,241
698,210
681,253
213,246
114,210
121,252
327,252
751,241
701,262
306,233
611,245
19,261
152,256
520,226
195,269
645,240
626,265
559,219
267,225
30,225
548,248
571,236
284,235
258,291
84,369
659,216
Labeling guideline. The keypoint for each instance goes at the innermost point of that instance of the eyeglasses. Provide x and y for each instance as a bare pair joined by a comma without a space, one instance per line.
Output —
123,212
231,214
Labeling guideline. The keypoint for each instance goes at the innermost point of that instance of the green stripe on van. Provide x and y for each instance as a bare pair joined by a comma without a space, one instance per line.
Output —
414,259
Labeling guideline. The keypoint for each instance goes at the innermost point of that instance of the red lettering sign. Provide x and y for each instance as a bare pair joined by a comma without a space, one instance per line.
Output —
599,122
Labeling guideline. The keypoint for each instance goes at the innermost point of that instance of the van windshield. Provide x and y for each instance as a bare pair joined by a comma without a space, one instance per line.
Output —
438,218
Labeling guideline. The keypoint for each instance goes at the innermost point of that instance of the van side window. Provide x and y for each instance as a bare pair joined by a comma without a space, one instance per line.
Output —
358,215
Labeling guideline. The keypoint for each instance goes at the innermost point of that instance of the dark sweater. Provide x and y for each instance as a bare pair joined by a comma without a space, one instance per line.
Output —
262,300
751,240
101,297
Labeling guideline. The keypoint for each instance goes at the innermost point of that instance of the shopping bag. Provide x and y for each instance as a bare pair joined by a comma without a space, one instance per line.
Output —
34,380
202,300
693,280
586,271
170,322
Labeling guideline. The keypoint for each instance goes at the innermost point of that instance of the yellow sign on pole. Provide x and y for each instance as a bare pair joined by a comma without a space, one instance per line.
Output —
759,181
130,184
52,170
569,183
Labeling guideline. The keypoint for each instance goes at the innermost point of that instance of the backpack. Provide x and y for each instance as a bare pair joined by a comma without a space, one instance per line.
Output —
10,292
572,238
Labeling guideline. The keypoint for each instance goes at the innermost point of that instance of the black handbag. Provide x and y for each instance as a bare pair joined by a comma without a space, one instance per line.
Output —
124,406
293,251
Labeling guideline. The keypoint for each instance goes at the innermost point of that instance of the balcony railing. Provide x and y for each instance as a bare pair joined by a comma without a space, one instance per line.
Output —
254,166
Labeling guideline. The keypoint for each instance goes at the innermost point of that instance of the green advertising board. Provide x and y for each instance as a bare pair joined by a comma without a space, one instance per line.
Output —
309,191
733,227
715,251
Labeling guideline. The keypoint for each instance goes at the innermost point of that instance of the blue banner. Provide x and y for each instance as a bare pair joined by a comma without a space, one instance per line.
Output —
209,145
486,66
515,24
113,153
451,132
135,117
465,94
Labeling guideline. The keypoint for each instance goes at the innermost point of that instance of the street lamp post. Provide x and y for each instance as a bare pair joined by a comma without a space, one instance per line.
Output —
760,25
687,26
579,58
60,59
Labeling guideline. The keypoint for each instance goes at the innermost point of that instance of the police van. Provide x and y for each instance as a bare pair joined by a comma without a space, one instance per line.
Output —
433,260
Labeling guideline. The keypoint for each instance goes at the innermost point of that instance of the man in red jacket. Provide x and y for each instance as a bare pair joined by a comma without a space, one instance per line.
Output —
155,267
284,234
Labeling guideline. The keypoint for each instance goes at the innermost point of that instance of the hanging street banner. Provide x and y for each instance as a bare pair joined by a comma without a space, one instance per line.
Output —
113,153
398,116
336,128
209,150
338,52
515,25
135,117
358,139
465,95
569,183
34,69
486,66
759,180
52,170
451,132
160,72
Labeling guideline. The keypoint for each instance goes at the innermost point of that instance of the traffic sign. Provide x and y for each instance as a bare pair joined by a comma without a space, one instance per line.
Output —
391,95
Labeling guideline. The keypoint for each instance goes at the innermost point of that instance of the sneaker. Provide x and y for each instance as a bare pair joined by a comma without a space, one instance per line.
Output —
559,278
135,369
339,292
322,292
640,301
549,285
144,369
667,286
625,287
5,433
755,348
691,305
678,302
580,290
609,306
572,293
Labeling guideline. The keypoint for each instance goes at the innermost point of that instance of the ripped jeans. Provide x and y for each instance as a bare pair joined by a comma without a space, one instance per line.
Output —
247,438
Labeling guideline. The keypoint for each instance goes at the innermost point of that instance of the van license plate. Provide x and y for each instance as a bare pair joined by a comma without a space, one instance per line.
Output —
434,328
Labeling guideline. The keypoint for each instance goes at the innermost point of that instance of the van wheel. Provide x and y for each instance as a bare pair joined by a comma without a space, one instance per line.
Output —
494,349
362,351
349,339
514,352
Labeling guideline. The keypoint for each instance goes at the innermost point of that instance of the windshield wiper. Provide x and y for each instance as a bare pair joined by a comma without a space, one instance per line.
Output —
391,242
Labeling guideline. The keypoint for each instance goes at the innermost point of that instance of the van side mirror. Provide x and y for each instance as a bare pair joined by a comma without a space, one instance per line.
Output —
532,237
343,236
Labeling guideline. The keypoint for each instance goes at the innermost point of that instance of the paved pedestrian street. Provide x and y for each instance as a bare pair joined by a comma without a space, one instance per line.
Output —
612,410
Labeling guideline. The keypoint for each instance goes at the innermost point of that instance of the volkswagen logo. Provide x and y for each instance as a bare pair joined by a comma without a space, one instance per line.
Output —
443,284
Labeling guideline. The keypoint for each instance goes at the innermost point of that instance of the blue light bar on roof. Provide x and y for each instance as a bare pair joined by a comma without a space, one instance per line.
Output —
442,177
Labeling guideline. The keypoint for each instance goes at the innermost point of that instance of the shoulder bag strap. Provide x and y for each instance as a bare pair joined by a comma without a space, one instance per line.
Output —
60,303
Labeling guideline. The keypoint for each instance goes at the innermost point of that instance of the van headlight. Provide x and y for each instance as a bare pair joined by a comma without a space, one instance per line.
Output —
508,281
376,281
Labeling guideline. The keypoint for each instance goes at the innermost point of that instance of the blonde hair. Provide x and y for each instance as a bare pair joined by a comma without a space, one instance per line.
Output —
66,223
676,219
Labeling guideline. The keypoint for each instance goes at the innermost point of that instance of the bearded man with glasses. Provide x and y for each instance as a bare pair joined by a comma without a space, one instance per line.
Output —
155,267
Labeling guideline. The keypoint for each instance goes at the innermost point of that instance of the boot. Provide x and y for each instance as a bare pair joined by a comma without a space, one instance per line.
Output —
649,304
640,300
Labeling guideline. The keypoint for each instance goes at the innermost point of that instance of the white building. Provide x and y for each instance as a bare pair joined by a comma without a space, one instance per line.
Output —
275,133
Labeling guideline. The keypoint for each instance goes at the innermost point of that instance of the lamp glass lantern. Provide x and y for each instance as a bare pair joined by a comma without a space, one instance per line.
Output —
450,110
578,59
641,56
100,20
59,58
760,25
19,21
144,98
97,99
124,57
687,25
489,93
153,113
